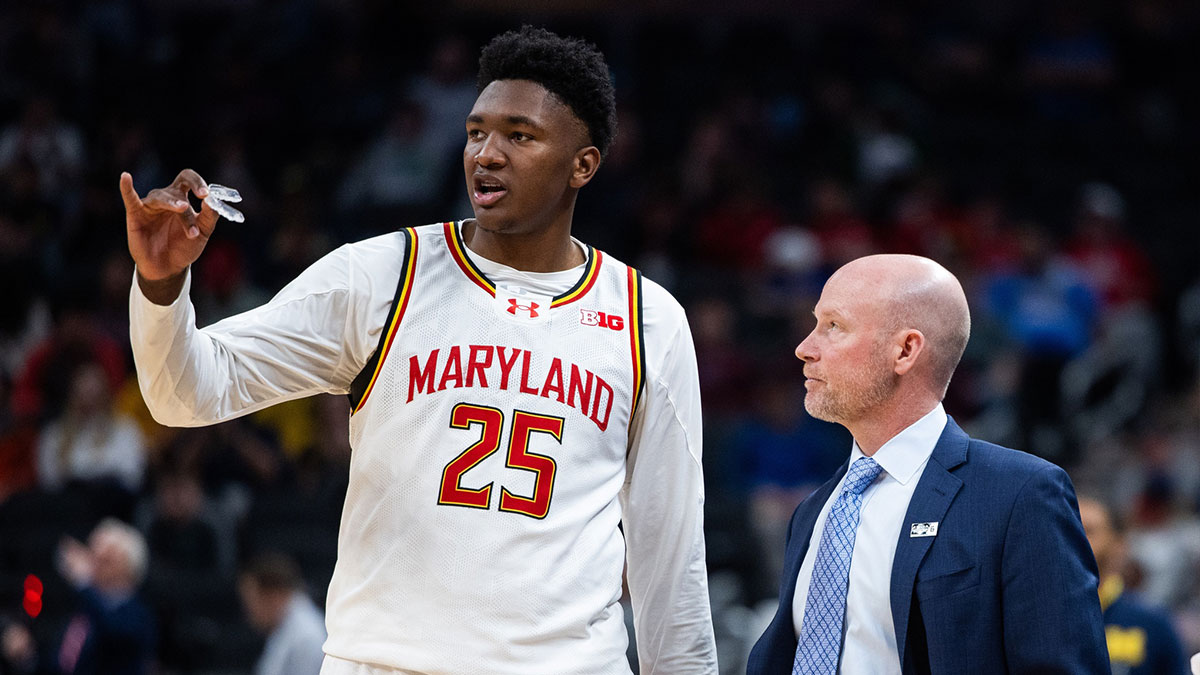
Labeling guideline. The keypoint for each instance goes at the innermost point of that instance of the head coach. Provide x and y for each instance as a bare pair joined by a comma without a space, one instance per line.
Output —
928,551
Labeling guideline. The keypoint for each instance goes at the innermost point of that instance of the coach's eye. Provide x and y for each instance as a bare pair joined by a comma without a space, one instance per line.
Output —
474,134
520,136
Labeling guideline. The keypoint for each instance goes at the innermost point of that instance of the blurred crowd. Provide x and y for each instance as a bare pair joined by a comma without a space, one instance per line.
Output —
1041,151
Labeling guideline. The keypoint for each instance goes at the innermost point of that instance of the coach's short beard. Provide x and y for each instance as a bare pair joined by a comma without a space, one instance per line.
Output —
860,394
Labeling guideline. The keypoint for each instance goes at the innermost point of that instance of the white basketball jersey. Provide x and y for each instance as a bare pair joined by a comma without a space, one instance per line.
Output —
489,433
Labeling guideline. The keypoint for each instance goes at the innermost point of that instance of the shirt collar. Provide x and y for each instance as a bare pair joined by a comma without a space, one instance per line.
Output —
907,451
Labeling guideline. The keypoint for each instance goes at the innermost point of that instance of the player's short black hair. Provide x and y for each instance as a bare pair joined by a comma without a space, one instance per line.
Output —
570,68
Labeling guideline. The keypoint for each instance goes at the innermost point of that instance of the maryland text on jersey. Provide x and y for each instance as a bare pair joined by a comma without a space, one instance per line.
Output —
497,366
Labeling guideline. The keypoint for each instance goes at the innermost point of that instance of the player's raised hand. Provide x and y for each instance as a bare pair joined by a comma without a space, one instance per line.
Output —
165,233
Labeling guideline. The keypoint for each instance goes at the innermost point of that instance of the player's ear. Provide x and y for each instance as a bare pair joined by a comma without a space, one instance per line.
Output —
587,160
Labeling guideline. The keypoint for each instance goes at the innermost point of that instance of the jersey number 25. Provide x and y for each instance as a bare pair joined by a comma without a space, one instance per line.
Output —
524,425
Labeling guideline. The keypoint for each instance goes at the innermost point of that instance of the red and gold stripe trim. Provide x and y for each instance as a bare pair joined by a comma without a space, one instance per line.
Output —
591,272
399,305
458,251
637,339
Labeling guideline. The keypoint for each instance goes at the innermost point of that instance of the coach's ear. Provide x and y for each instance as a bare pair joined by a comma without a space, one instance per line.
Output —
587,160
908,347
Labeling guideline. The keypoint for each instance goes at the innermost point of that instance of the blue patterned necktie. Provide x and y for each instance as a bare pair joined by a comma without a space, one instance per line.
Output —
825,610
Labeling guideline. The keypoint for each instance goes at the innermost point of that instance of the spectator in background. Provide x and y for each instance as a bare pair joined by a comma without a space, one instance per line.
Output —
90,441
984,235
725,363
1044,302
24,316
1048,312
113,633
110,309
222,285
1164,539
446,91
40,388
18,470
398,176
187,585
180,537
273,595
1115,265
885,152
710,146
18,649
54,148
231,159
1069,66
834,217
922,220
237,457
1141,640
731,236
131,142
790,277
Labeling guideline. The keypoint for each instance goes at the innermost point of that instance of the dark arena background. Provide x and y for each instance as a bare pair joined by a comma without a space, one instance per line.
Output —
1045,152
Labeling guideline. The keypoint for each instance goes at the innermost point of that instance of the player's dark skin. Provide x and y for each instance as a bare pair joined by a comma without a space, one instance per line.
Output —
527,154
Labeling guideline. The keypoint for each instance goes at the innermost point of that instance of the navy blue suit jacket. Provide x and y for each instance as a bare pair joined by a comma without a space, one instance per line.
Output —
1008,584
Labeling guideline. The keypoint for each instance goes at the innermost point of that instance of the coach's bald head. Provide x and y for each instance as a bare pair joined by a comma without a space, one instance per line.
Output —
890,332
915,293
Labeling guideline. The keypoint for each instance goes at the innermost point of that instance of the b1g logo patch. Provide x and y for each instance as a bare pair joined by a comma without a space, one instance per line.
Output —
590,317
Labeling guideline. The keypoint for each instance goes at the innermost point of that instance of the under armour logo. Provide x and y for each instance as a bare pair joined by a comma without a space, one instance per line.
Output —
531,309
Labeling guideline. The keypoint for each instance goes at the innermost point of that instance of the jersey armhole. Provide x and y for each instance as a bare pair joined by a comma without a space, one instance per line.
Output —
361,387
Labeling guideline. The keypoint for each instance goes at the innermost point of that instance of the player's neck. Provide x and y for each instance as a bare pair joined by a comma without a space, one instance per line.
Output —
548,250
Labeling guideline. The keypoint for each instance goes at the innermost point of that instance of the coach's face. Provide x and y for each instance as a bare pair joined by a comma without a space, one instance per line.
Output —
846,368
526,156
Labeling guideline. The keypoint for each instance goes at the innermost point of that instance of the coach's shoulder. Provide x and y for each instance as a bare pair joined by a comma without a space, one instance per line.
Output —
1007,464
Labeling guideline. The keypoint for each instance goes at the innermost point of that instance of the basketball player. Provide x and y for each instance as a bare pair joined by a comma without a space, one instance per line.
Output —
516,395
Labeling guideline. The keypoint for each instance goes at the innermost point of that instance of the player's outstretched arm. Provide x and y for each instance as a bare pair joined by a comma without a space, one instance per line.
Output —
302,342
165,234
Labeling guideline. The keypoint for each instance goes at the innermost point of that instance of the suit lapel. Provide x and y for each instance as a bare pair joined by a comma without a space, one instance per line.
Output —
929,504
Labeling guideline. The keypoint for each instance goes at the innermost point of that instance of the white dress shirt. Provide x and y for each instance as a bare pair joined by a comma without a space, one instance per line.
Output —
870,641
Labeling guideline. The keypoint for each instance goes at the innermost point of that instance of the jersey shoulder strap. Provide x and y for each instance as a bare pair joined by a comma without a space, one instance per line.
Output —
360,388
637,337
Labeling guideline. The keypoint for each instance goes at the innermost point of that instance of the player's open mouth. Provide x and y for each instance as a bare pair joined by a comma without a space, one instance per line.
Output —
488,191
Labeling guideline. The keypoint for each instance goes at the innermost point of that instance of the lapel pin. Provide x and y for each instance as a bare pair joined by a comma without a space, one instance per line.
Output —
923,530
